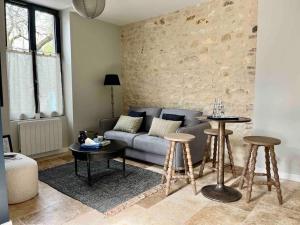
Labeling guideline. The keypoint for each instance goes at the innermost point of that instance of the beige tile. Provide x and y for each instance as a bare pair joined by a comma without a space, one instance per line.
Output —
51,207
92,217
290,185
17,222
47,196
174,212
291,199
242,204
217,214
56,214
130,216
267,214
152,200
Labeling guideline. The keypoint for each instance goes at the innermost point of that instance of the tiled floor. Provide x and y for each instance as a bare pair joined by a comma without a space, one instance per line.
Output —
182,207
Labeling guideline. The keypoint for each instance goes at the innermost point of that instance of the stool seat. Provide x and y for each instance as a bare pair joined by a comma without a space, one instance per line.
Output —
262,140
179,137
215,132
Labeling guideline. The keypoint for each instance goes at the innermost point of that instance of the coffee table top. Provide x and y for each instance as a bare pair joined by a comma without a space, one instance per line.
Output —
114,147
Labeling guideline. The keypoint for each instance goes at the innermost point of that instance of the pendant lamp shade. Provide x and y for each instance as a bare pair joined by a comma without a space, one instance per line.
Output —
89,8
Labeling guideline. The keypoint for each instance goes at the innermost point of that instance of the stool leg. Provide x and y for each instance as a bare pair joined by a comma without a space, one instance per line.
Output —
246,168
163,178
206,155
276,176
215,151
268,169
185,162
189,158
252,173
230,156
170,171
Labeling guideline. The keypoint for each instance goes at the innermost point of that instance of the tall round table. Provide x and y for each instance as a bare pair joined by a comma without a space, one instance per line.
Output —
220,192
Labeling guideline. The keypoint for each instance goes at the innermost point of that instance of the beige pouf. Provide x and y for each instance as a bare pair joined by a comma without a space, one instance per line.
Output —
22,178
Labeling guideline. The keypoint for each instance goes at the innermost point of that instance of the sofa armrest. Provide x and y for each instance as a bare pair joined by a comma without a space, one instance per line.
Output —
107,124
198,145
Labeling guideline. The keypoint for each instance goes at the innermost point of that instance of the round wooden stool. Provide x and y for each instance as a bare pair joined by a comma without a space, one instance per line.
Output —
169,170
249,171
213,133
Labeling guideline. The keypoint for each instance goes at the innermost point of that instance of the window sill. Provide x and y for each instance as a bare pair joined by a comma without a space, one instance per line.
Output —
37,119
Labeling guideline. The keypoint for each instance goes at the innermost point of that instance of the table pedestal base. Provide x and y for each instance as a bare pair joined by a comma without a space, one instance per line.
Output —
221,194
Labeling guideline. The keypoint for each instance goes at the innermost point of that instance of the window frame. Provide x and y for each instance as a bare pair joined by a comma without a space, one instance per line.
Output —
32,8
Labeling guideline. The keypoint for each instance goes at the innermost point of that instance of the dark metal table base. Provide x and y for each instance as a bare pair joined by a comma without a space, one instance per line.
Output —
221,194
89,176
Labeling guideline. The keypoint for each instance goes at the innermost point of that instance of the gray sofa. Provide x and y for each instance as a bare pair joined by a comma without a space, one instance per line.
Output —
153,149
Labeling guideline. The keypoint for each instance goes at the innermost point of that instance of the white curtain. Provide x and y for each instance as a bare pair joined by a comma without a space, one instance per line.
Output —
50,85
21,87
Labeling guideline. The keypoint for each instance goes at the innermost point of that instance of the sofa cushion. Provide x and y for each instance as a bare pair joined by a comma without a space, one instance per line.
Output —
173,117
128,124
151,144
150,114
121,136
139,114
162,127
189,115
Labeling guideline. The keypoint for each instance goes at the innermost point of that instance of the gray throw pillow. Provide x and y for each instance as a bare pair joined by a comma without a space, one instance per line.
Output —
128,124
162,127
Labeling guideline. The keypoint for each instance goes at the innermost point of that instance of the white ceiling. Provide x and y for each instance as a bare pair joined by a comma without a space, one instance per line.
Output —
123,12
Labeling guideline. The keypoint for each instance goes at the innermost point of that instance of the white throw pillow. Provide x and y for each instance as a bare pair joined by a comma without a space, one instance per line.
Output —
129,124
161,128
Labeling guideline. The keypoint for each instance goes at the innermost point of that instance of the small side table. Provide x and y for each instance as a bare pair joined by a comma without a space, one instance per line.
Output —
184,140
220,192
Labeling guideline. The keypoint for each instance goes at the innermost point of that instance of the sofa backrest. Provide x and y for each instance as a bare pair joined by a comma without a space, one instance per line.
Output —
189,115
150,114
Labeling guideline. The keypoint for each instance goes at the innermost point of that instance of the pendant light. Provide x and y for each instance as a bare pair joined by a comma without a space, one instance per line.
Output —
89,8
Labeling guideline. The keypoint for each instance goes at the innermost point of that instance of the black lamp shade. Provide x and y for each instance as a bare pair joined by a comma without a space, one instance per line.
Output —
111,79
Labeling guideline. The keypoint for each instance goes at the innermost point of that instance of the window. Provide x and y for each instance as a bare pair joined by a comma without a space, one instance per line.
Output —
17,27
33,56
45,32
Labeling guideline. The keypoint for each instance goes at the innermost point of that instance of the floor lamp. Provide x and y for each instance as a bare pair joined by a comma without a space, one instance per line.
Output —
112,80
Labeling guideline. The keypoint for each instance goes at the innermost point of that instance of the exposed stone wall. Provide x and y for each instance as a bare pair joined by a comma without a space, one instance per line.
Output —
188,58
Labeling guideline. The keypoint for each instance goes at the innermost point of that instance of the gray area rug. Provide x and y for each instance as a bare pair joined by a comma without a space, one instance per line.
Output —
109,188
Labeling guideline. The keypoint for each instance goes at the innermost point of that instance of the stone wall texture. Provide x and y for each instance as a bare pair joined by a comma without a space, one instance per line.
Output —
188,58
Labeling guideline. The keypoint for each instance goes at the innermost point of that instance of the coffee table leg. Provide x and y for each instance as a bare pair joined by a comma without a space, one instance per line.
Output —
108,164
124,164
89,171
76,168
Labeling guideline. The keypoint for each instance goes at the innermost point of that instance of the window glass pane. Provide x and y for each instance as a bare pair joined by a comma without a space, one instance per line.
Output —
50,87
17,27
20,85
45,32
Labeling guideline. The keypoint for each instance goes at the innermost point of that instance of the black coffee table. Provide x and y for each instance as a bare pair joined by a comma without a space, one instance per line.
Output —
111,151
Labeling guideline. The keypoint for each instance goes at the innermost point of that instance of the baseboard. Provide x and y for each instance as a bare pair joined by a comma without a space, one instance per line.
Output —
7,223
284,176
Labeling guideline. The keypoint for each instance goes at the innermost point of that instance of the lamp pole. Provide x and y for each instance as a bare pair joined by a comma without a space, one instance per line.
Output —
112,102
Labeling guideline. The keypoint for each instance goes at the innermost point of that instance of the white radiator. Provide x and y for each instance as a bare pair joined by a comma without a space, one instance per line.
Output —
38,136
